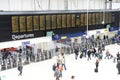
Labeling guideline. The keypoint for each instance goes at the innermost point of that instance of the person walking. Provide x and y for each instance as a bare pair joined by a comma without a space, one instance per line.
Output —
107,54
118,57
20,67
76,53
96,65
89,54
63,61
118,66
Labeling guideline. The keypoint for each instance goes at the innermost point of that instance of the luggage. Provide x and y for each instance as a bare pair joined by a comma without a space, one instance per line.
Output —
81,55
95,70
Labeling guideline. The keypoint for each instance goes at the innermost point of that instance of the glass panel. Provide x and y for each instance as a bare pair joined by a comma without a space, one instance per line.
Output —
14,24
42,22
29,23
36,23
54,21
59,24
22,24
48,22
73,20
64,21
68,20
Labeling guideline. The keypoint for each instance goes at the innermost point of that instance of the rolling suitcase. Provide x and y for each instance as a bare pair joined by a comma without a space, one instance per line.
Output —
95,70
81,55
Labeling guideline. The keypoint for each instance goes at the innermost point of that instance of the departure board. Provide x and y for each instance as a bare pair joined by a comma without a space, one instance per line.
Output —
22,24
85,20
89,19
64,21
48,23
110,18
36,23
106,17
68,20
101,17
29,23
54,21
77,20
14,24
93,19
97,18
59,21
42,22
73,20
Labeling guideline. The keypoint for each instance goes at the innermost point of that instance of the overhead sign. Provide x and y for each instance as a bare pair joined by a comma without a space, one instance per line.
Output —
63,37
108,26
49,33
56,37
26,42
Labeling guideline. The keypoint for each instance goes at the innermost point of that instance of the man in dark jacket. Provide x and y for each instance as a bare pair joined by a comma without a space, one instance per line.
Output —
89,54
76,53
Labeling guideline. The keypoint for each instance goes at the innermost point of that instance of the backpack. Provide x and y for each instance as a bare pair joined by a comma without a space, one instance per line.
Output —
54,67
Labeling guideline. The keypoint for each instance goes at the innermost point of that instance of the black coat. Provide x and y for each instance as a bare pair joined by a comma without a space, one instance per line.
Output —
118,65
76,51
97,64
118,58
54,67
89,53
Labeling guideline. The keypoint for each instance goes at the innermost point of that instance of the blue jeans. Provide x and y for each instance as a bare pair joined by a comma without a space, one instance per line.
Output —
64,66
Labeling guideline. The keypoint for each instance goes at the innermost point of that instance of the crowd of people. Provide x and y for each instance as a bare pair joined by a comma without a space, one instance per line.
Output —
88,48
59,65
